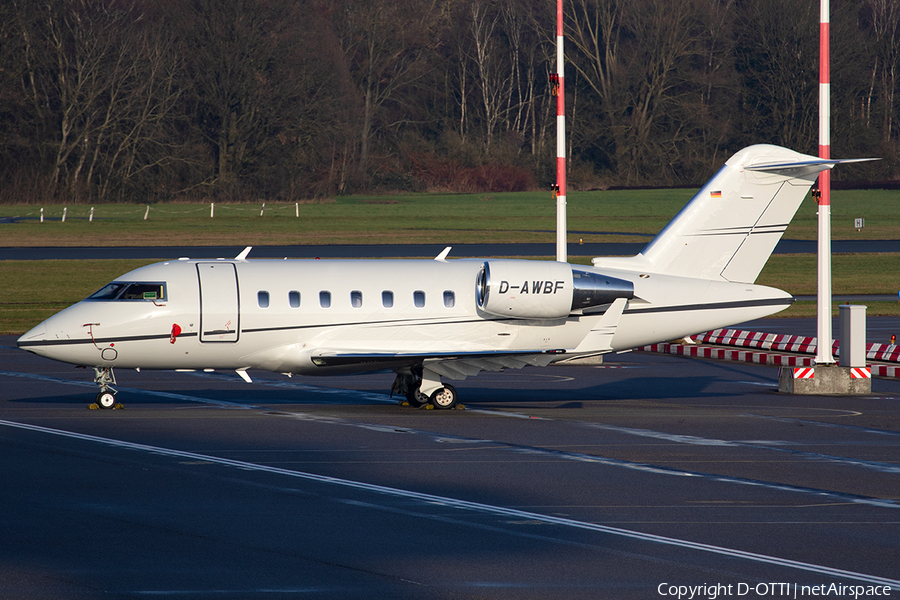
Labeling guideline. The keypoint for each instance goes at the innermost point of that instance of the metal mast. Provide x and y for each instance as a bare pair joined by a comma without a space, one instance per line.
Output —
557,82
823,300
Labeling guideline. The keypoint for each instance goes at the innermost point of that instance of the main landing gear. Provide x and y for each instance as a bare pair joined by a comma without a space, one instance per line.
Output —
105,378
416,388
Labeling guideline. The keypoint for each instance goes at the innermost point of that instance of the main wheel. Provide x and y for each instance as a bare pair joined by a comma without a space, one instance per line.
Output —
415,397
445,398
106,400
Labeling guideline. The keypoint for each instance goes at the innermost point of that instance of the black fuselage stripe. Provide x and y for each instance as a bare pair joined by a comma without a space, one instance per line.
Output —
100,341
715,306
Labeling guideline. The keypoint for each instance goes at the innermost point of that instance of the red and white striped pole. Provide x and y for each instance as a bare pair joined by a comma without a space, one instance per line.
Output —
823,299
561,250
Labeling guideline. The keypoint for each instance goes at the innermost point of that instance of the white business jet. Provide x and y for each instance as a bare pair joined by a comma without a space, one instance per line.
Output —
431,319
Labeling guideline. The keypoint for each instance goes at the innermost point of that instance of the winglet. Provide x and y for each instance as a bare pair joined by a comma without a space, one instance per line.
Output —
244,253
599,339
443,255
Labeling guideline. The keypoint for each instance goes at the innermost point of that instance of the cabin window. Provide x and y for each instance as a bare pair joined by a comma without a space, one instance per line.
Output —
419,298
262,298
449,299
294,298
325,299
356,299
387,299
131,291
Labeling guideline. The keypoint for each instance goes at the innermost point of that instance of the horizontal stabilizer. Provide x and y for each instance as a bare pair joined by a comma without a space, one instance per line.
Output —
819,164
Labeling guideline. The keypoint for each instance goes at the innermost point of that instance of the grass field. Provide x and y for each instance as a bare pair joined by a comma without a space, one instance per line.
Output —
34,290
623,215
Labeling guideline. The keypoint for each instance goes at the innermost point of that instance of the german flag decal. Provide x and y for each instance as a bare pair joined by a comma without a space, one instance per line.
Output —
715,194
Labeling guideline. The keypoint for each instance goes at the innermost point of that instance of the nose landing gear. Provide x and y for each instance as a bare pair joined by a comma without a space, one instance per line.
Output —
105,378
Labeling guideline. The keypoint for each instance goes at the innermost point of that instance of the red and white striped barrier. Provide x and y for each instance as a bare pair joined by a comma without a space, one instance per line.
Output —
884,371
883,352
810,373
765,341
804,373
762,358
860,373
774,345
788,343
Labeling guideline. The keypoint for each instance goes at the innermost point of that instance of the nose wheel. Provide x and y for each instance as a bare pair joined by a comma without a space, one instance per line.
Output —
106,400
105,378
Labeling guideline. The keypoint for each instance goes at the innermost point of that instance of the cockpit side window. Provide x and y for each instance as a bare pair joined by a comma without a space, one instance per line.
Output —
108,292
131,291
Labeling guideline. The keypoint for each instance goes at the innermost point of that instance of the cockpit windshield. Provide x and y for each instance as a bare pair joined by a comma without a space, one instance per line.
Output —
130,291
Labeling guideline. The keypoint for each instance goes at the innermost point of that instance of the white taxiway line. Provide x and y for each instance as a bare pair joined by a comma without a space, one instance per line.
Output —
375,397
465,505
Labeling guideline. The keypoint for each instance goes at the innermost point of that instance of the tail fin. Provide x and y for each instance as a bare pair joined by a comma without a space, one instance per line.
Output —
729,229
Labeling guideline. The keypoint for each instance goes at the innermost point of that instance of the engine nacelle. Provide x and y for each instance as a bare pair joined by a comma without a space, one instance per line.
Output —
530,289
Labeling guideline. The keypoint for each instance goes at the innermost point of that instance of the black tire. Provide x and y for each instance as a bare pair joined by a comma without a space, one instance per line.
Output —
415,397
445,398
106,400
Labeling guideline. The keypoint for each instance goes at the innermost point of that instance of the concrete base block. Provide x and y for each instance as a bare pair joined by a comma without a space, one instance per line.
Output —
826,380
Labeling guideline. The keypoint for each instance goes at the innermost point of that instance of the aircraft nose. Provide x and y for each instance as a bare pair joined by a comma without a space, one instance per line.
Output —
31,340
36,334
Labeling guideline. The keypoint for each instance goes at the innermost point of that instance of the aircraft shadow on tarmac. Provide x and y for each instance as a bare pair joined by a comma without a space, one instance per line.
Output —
632,388
568,397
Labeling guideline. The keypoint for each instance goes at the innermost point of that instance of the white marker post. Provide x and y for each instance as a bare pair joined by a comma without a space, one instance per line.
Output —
823,299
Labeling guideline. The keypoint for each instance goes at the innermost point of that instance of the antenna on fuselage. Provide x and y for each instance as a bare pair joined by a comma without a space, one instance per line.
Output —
244,253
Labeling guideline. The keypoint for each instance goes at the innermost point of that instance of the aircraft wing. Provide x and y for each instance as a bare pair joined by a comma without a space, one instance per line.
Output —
457,365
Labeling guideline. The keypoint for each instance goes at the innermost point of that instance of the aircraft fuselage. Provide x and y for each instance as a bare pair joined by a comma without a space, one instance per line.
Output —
300,316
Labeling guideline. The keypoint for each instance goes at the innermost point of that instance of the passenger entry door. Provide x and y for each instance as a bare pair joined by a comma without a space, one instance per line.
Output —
219,305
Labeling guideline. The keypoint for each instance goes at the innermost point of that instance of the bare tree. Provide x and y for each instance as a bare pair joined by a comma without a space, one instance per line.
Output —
386,44
100,87
635,56
882,18
778,60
